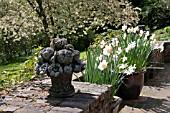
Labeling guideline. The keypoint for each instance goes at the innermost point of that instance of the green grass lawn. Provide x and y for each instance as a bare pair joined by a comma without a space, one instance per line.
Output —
10,66
163,34
83,55
16,65
11,71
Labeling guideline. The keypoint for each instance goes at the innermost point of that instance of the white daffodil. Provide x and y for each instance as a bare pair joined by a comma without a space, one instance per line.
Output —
124,27
127,49
119,51
130,46
124,58
145,38
124,36
126,71
153,41
129,30
99,58
103,65
107,50
161,47
152,37
136,29
123,66
130,70
102,44
156,46
140,33
147,33
115,42
115,56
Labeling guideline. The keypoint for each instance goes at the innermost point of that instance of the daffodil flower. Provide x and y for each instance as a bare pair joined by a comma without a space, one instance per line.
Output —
129,30
103,65
124,27
107,50
123,66
130,46
130,70
99,58
102,44
124,36
119,51
136,29
124,59
140,33
115,42
147,33
152,37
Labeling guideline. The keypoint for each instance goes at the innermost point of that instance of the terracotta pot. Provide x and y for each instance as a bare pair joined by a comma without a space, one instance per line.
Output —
132,86
61,86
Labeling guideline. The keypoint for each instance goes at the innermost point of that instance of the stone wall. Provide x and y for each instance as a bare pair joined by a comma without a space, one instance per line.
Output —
32,97
161,57
157,56
167,52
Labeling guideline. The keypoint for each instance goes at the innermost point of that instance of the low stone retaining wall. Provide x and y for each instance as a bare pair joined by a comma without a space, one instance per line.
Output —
32,97
167,52
161,57
157,60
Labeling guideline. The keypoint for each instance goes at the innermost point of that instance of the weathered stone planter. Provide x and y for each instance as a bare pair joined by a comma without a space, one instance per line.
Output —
59,62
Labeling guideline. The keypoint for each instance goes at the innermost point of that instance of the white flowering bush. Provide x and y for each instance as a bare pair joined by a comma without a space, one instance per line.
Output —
123,54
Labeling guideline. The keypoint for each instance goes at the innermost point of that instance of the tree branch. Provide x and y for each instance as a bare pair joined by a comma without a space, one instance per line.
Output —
34,8
42,14
51,17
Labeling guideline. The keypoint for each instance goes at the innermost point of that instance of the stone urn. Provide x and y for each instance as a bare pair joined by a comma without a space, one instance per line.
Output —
59,61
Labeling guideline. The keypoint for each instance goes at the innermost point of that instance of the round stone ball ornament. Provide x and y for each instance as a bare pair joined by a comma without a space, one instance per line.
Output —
59,61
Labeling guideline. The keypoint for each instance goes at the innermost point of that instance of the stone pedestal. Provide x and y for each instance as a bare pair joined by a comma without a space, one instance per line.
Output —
61,86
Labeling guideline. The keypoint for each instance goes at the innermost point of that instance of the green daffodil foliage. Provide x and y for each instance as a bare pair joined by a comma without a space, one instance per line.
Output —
117,55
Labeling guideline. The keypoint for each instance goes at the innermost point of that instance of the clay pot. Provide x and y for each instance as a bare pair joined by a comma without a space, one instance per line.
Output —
131,86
